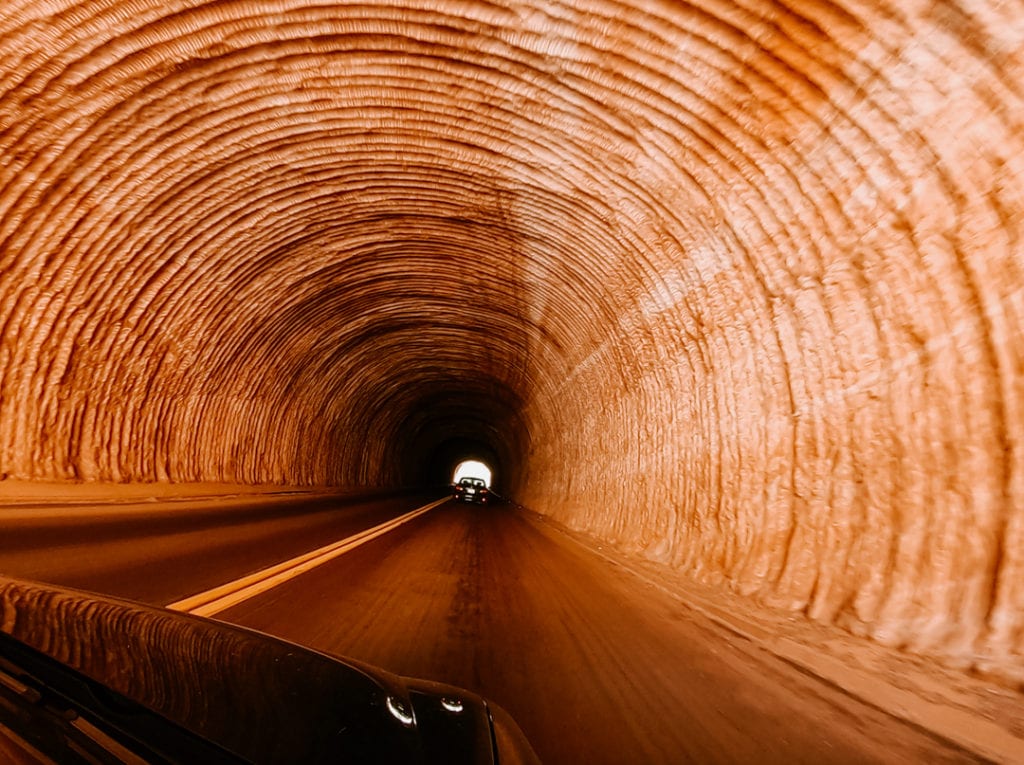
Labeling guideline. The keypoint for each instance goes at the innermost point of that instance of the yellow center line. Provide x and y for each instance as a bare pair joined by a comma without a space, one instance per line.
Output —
220,598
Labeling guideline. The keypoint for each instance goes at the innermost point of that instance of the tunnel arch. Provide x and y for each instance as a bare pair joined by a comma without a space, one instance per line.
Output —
734,286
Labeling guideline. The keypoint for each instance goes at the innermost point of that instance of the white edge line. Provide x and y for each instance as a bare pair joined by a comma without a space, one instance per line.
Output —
223,597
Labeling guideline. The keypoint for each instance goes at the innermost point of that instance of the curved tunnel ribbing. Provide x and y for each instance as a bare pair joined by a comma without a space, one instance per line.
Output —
736,285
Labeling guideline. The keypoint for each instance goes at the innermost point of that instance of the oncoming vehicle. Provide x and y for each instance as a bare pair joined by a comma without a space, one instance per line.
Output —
472,490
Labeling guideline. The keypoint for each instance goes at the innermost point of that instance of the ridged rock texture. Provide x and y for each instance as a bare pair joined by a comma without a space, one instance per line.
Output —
734,285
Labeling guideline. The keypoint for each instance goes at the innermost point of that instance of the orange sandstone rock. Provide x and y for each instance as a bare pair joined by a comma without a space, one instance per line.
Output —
738,285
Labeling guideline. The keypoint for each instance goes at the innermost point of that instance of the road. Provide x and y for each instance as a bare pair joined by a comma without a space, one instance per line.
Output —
595,664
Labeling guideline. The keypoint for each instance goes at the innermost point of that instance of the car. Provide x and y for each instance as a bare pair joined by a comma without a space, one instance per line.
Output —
85,678
472,490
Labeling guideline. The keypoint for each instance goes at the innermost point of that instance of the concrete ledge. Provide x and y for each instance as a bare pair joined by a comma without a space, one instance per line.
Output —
15,492
24,501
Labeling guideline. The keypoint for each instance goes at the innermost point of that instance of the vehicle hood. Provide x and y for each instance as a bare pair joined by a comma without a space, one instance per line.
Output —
259,698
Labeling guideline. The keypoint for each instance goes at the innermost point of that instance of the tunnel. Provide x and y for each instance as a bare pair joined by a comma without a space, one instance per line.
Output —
733,287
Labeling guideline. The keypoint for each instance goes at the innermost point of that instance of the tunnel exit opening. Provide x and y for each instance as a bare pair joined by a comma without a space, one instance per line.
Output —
472,469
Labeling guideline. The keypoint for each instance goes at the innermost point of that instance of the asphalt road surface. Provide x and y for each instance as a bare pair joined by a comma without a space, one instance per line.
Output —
596,665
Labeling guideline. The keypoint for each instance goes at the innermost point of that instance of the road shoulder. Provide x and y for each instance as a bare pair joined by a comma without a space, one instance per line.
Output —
973,712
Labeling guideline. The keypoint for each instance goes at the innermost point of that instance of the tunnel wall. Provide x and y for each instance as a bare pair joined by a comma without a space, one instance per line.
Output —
736,286
816,393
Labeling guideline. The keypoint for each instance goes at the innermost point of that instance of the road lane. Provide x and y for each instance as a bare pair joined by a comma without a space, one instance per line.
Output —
163,552
596,665
211,602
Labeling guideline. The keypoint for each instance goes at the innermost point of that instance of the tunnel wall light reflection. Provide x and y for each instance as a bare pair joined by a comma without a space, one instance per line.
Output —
401,711
472,469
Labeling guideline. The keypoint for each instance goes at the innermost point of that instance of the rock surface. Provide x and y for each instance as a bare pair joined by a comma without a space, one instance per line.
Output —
734,285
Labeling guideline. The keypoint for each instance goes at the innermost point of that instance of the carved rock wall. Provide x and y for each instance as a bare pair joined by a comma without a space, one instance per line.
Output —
734,284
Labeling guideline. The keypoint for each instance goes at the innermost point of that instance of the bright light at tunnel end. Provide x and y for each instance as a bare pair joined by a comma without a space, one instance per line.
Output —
472,469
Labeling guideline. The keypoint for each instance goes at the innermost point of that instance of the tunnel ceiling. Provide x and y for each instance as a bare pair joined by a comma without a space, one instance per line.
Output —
736,285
